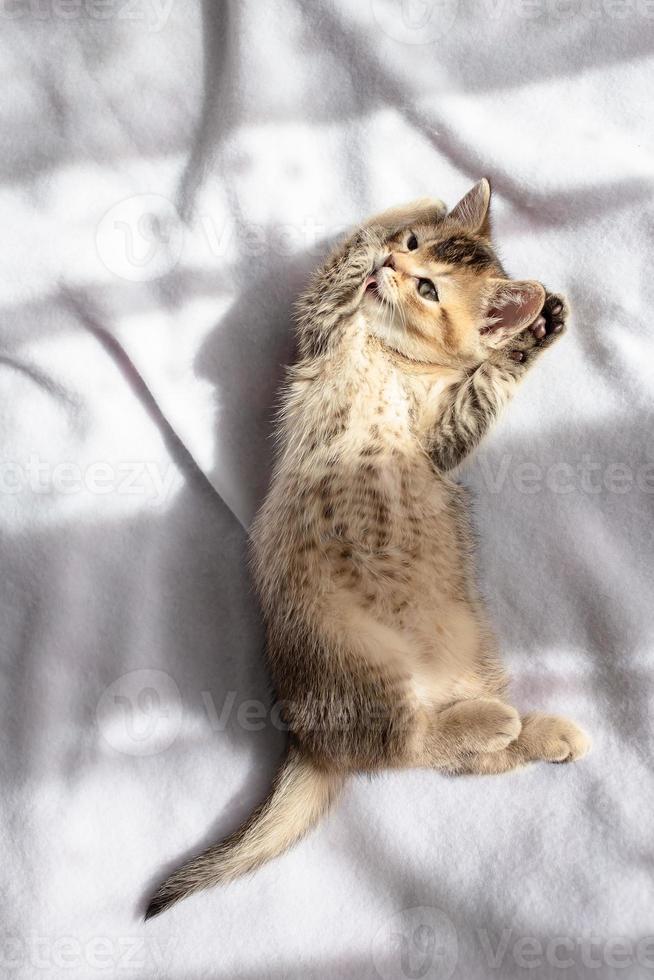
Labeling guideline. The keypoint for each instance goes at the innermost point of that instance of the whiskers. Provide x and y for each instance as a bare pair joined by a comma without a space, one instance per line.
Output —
389,309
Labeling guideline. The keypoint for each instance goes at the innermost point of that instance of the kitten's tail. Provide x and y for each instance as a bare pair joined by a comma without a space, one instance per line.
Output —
301,794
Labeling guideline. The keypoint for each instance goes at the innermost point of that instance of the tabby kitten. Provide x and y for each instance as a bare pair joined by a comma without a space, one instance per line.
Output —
411,340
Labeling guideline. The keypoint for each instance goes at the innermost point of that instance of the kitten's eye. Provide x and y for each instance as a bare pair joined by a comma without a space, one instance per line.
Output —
412,243
427,290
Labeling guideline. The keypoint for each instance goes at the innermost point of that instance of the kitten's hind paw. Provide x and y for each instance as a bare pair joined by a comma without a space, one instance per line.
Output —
552,739
480,724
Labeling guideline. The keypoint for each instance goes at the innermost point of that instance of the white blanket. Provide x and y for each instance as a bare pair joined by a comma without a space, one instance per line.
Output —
170,172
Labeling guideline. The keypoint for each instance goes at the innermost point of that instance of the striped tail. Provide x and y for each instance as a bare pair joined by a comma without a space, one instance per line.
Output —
300,796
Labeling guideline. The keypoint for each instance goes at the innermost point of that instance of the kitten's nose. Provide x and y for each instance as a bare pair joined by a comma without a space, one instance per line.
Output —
390,261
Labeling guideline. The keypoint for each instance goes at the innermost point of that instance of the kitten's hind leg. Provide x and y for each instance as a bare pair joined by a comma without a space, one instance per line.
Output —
470,727
546,738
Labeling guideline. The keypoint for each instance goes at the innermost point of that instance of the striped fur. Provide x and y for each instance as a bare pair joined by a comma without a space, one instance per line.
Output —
377,640
300,796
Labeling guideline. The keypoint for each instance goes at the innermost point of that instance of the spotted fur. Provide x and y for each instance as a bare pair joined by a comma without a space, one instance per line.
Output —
377,640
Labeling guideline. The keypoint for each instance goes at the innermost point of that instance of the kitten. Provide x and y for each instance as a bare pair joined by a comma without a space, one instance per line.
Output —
411,341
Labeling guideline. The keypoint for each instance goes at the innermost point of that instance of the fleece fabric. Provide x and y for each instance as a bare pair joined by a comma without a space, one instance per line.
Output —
170,171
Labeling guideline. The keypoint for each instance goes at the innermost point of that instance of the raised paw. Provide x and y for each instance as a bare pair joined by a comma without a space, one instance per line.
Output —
555,313
548,326
482,724
551,738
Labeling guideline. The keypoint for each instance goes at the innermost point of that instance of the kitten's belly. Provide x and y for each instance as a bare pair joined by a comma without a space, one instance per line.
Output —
434,643
410,574
382,575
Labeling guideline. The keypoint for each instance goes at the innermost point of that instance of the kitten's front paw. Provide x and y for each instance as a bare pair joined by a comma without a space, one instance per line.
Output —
555,312
552,739
549,325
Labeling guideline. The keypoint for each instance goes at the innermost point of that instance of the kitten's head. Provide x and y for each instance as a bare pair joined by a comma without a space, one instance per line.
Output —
441,294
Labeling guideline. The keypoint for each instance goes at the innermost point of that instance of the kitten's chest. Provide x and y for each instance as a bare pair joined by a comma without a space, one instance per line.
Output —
367,477
385,494
383,488
389,499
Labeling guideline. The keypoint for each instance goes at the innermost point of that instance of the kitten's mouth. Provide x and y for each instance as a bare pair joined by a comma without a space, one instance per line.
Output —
372,287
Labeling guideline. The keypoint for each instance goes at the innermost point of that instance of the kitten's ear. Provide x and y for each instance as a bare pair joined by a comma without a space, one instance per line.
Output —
509,307
472,210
